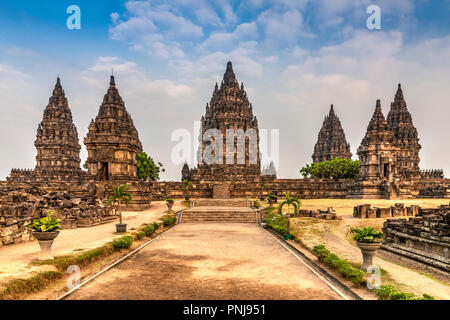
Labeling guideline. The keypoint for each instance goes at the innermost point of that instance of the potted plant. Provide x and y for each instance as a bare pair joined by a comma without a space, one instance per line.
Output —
369,241
45,230
187,185
121,195
169,204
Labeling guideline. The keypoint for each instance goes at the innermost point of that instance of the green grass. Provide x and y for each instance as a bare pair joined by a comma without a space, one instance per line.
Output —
16,288
389,292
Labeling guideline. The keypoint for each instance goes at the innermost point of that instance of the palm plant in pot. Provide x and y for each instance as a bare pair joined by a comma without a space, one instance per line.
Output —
45,230
169,204
289,201
121,195
369,241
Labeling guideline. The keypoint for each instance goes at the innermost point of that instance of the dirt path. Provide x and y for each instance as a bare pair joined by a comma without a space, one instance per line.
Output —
209,261
15,259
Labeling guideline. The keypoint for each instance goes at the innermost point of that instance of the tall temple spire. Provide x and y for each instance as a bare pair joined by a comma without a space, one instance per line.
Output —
112,82
229,77
58,148
406,137
378,152
331,142
399,93
112,140
229,108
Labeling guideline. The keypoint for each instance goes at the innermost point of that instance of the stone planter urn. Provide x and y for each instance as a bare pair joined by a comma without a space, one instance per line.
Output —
368,251
169,206
121,227
45,240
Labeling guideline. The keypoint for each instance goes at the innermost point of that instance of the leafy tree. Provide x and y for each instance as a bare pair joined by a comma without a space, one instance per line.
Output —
85,165
333,169
121,195
147,168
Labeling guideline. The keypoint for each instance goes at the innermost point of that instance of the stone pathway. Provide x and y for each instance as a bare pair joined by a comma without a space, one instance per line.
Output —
209,261
15,259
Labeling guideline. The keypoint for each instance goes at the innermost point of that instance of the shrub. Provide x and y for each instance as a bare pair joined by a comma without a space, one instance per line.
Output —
170,201
123,242
344,267
168,221
256,204
389,292
140,235
150,229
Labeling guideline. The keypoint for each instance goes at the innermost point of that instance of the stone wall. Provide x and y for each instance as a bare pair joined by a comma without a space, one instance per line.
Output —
425,238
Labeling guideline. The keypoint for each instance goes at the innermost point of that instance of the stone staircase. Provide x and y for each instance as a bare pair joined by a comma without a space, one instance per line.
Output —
221,203
220,210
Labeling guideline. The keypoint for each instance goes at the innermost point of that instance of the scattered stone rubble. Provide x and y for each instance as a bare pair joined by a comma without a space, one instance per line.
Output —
329,214
18,208
365,211
425,237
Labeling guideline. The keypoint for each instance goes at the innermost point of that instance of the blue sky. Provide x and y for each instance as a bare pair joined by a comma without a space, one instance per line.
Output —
294,57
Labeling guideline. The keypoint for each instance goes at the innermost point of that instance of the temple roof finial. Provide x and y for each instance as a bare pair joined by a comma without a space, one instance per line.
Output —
112,82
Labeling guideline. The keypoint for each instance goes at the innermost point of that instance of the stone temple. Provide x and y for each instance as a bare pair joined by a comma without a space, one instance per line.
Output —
405,135
331,142
378,151
229,108
112,141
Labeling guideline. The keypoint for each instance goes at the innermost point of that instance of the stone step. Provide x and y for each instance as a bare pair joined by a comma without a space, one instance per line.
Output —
247,217
221,203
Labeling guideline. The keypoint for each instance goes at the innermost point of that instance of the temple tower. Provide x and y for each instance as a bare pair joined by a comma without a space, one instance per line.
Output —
112,141
331,142
406,138
58,148
378,151
228,110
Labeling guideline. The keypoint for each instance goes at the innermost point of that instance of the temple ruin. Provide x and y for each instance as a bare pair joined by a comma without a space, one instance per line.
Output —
389,161
112,141
331,142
